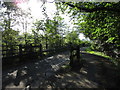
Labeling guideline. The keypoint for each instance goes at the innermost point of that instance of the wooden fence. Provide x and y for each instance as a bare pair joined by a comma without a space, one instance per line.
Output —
20,50
25,52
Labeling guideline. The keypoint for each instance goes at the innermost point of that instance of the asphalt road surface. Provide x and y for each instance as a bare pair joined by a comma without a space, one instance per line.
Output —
97,72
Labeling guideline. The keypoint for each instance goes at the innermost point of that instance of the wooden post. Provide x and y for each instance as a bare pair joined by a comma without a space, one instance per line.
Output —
11,50
78,53
71,56
40,50
31,49
20,51
75,57
30,52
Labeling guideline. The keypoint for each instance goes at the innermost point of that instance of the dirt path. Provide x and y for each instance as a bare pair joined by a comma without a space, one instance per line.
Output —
97,72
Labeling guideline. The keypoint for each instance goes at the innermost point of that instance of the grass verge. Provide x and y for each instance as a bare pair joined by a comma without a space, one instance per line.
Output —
99,54
114,61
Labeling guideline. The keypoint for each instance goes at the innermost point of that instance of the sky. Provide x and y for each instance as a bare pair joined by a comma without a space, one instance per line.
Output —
36,11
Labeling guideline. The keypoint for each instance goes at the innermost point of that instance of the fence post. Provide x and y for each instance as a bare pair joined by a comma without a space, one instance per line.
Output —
29,52
78,53
40,48
71,55
20,51
75,62
31,48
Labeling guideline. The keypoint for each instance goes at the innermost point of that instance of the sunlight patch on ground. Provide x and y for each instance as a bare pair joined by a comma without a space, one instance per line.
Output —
84,72
11,85
13,74
60,56
50,57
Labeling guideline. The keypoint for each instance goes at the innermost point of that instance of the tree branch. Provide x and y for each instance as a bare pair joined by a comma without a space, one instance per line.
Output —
83,9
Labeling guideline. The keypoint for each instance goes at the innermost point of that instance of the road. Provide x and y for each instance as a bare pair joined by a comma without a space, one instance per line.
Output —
97,72
22,76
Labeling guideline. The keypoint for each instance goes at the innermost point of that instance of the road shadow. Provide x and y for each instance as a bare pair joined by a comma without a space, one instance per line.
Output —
32,72
25,75
97,72
106,71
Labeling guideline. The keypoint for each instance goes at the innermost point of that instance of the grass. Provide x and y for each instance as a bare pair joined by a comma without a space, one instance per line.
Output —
99,54
103,55
89,50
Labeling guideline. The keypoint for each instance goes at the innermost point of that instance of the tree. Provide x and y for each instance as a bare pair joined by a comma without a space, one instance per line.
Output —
38,31
93,6
73,38
99,22
9,37
52,31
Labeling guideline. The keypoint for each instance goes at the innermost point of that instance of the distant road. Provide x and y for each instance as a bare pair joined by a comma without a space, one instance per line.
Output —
83,48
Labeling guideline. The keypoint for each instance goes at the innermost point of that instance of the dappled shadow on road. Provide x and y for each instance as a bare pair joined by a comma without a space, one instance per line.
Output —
106,71
97,72
73,80
33,72
25,75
